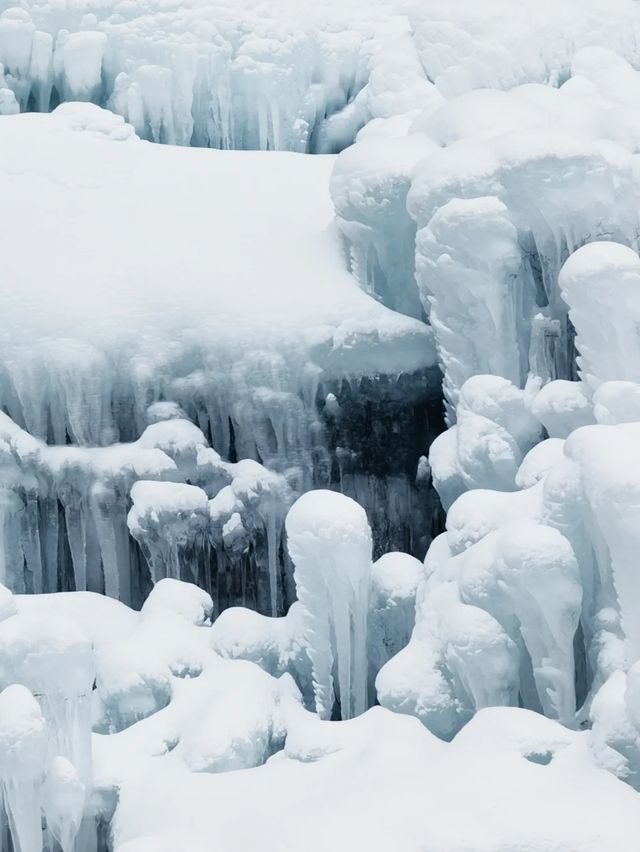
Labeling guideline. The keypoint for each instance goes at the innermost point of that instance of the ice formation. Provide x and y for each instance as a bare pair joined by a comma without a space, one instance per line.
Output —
256,388
319,475
289,75
330,544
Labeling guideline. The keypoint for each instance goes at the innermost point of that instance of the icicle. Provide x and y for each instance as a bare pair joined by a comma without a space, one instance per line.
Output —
330,544
23,745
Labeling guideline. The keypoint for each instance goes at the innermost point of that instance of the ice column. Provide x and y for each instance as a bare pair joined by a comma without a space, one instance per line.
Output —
601,283
23,746
330,544
54,660
468,268
540,577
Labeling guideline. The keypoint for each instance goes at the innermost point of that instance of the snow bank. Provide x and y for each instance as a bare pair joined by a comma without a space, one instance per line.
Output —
256,274
504,760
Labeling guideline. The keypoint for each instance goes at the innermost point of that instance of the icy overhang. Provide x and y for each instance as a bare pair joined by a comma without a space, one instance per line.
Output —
127,267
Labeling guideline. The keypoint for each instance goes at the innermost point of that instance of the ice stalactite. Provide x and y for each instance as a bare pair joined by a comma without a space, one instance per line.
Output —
63,800
603,280
395,580
610,502
601,284
494,431
47,674
65,520
510,282
23,748
330,544
254,506
459,659
166,519
54,660
539,577
468,266
207,81
518,593
369,187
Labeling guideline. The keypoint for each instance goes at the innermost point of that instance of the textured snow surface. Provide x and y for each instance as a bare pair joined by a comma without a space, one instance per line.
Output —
172,718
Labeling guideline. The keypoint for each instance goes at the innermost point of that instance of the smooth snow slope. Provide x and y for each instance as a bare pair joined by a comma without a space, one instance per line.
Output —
129,264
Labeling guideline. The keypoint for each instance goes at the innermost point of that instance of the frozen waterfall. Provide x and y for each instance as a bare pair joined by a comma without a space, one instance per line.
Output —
319,426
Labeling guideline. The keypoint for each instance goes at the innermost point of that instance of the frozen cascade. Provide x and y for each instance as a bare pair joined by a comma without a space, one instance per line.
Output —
222,425
497,188
66,525
98,407
205,78
282,76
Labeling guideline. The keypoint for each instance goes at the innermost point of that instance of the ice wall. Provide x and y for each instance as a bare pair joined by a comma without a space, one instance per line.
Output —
538,555
197,357
497,188
213,75
291,76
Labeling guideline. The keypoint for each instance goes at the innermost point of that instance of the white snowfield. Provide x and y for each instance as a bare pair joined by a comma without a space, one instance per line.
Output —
226,377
